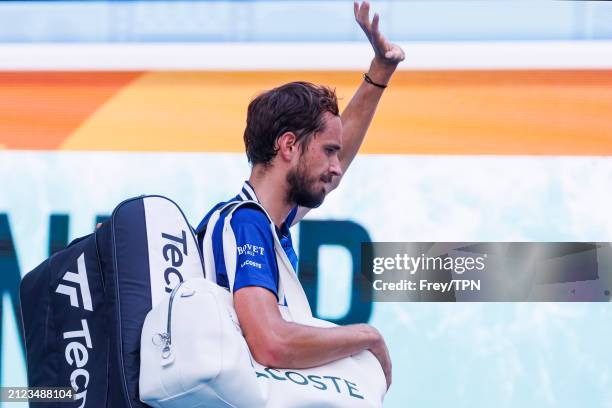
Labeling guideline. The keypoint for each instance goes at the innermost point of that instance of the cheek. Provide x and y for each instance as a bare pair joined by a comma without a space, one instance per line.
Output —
321,167
316,161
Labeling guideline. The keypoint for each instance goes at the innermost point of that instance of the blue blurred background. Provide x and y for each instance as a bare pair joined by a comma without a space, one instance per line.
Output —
445,354
321,20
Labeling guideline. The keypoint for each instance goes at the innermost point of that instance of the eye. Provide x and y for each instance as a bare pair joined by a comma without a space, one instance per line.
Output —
331,150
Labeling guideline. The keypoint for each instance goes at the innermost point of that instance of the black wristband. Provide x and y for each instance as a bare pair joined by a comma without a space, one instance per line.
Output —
367,78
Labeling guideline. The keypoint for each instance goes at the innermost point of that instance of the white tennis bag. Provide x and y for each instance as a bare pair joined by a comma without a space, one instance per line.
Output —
193,353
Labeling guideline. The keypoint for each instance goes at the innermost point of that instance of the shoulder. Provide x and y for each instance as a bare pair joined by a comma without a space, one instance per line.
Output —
250,217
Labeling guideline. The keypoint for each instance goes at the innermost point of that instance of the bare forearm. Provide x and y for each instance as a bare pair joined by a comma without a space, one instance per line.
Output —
302,346
358,114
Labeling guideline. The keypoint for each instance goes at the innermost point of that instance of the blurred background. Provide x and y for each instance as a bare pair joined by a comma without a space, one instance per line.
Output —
496,128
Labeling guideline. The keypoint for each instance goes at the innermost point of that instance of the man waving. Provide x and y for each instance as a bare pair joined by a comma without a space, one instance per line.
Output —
299,146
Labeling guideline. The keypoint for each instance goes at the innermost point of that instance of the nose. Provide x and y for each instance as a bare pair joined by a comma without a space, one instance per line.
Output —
335,169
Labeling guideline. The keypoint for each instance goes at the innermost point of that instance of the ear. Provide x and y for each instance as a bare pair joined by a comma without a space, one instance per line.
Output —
287,146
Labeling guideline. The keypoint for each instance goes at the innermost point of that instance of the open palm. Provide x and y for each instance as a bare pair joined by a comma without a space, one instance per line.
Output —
385,51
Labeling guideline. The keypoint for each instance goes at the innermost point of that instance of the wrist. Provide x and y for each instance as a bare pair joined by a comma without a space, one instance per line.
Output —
373,336
370,81
381,72
367,334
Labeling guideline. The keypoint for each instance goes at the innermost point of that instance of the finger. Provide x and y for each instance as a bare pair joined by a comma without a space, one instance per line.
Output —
375,23
384,44
392,52
395,55
378,37
364,14
381,43
356,9
402,54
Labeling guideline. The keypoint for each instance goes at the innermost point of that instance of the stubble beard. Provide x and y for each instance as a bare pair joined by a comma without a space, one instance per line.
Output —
301,188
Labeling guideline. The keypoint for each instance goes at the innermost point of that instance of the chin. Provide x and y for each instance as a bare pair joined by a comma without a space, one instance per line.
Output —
314,201
319,200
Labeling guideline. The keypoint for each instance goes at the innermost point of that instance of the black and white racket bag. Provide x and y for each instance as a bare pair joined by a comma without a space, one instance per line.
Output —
84,307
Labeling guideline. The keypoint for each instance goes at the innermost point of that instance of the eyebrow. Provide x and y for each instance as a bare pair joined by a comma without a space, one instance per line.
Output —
333,146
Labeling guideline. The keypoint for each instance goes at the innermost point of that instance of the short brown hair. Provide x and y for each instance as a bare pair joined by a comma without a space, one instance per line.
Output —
296,107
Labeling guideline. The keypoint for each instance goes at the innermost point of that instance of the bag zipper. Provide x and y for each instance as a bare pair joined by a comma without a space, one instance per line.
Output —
166,337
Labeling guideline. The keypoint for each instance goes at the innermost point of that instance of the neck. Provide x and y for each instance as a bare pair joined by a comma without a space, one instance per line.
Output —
271,189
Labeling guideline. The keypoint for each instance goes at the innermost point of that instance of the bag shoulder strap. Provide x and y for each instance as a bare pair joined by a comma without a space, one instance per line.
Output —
289,286
205,239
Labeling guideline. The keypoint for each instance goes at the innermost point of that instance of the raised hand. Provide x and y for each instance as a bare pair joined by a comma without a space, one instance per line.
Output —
385,51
